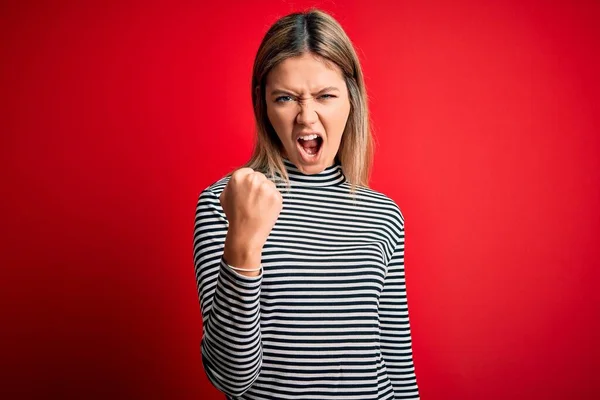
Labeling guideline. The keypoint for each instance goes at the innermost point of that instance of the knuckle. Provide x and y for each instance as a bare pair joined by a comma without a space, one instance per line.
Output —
241,173
259,176
265,187
253,179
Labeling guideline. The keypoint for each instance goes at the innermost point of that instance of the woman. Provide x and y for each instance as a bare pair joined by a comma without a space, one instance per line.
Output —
299,265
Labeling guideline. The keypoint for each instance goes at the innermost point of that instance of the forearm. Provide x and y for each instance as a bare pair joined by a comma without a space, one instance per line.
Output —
231,345
396,341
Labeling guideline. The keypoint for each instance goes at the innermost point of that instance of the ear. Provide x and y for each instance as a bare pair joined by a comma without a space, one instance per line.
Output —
257,91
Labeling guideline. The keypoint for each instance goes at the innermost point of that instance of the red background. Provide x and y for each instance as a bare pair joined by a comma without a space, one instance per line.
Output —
115,117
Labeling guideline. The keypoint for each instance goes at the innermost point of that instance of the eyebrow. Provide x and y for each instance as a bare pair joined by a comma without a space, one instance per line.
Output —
327,89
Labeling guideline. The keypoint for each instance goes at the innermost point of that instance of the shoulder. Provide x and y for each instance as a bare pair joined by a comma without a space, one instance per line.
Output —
217,187
382,203
210,194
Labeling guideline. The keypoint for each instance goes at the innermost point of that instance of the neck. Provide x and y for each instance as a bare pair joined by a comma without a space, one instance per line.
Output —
330,176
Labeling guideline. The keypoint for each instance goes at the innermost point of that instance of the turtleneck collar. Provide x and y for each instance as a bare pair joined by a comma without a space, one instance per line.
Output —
330,176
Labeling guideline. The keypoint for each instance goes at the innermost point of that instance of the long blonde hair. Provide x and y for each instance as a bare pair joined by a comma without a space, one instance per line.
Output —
319,33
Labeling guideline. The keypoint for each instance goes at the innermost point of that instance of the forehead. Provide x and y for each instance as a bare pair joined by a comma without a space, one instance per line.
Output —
304,71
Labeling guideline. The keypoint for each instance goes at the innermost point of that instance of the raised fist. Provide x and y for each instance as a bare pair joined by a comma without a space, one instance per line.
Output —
252,205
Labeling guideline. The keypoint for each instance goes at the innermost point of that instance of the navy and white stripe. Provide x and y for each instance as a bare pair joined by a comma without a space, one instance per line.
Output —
327,318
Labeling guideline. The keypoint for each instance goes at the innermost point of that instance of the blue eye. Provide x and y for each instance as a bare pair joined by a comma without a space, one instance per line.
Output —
285,99
280,99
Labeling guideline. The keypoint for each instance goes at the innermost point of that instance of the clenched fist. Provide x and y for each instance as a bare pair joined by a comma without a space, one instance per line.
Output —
252,205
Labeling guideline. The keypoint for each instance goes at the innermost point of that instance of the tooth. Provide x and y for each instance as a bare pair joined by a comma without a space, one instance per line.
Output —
309,137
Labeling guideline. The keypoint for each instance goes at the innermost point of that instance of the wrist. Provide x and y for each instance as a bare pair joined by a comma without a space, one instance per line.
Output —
241,254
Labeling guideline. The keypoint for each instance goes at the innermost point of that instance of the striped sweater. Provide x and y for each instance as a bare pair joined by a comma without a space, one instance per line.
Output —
327,318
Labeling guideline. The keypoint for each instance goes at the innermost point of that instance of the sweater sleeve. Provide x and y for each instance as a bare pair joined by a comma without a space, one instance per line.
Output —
229,301
396,343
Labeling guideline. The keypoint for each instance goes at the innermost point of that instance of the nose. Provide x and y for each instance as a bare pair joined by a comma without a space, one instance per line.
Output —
307,114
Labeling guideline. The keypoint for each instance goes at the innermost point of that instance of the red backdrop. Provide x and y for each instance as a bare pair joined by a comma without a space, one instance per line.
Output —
115,117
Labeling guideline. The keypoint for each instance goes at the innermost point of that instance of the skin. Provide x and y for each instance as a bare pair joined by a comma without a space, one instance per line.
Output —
252,205
305,94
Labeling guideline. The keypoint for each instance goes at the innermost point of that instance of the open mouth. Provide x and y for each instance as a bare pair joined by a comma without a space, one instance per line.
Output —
310,145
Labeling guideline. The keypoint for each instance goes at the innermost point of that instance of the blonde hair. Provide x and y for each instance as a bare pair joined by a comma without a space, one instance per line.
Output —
316,32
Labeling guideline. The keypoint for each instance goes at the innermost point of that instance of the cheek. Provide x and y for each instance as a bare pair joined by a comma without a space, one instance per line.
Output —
335,119
280,121
275,118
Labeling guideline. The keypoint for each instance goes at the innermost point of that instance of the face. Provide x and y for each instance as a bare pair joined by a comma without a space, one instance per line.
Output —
306,97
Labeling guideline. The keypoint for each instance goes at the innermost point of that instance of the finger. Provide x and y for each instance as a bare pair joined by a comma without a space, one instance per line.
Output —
240,174
256,179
